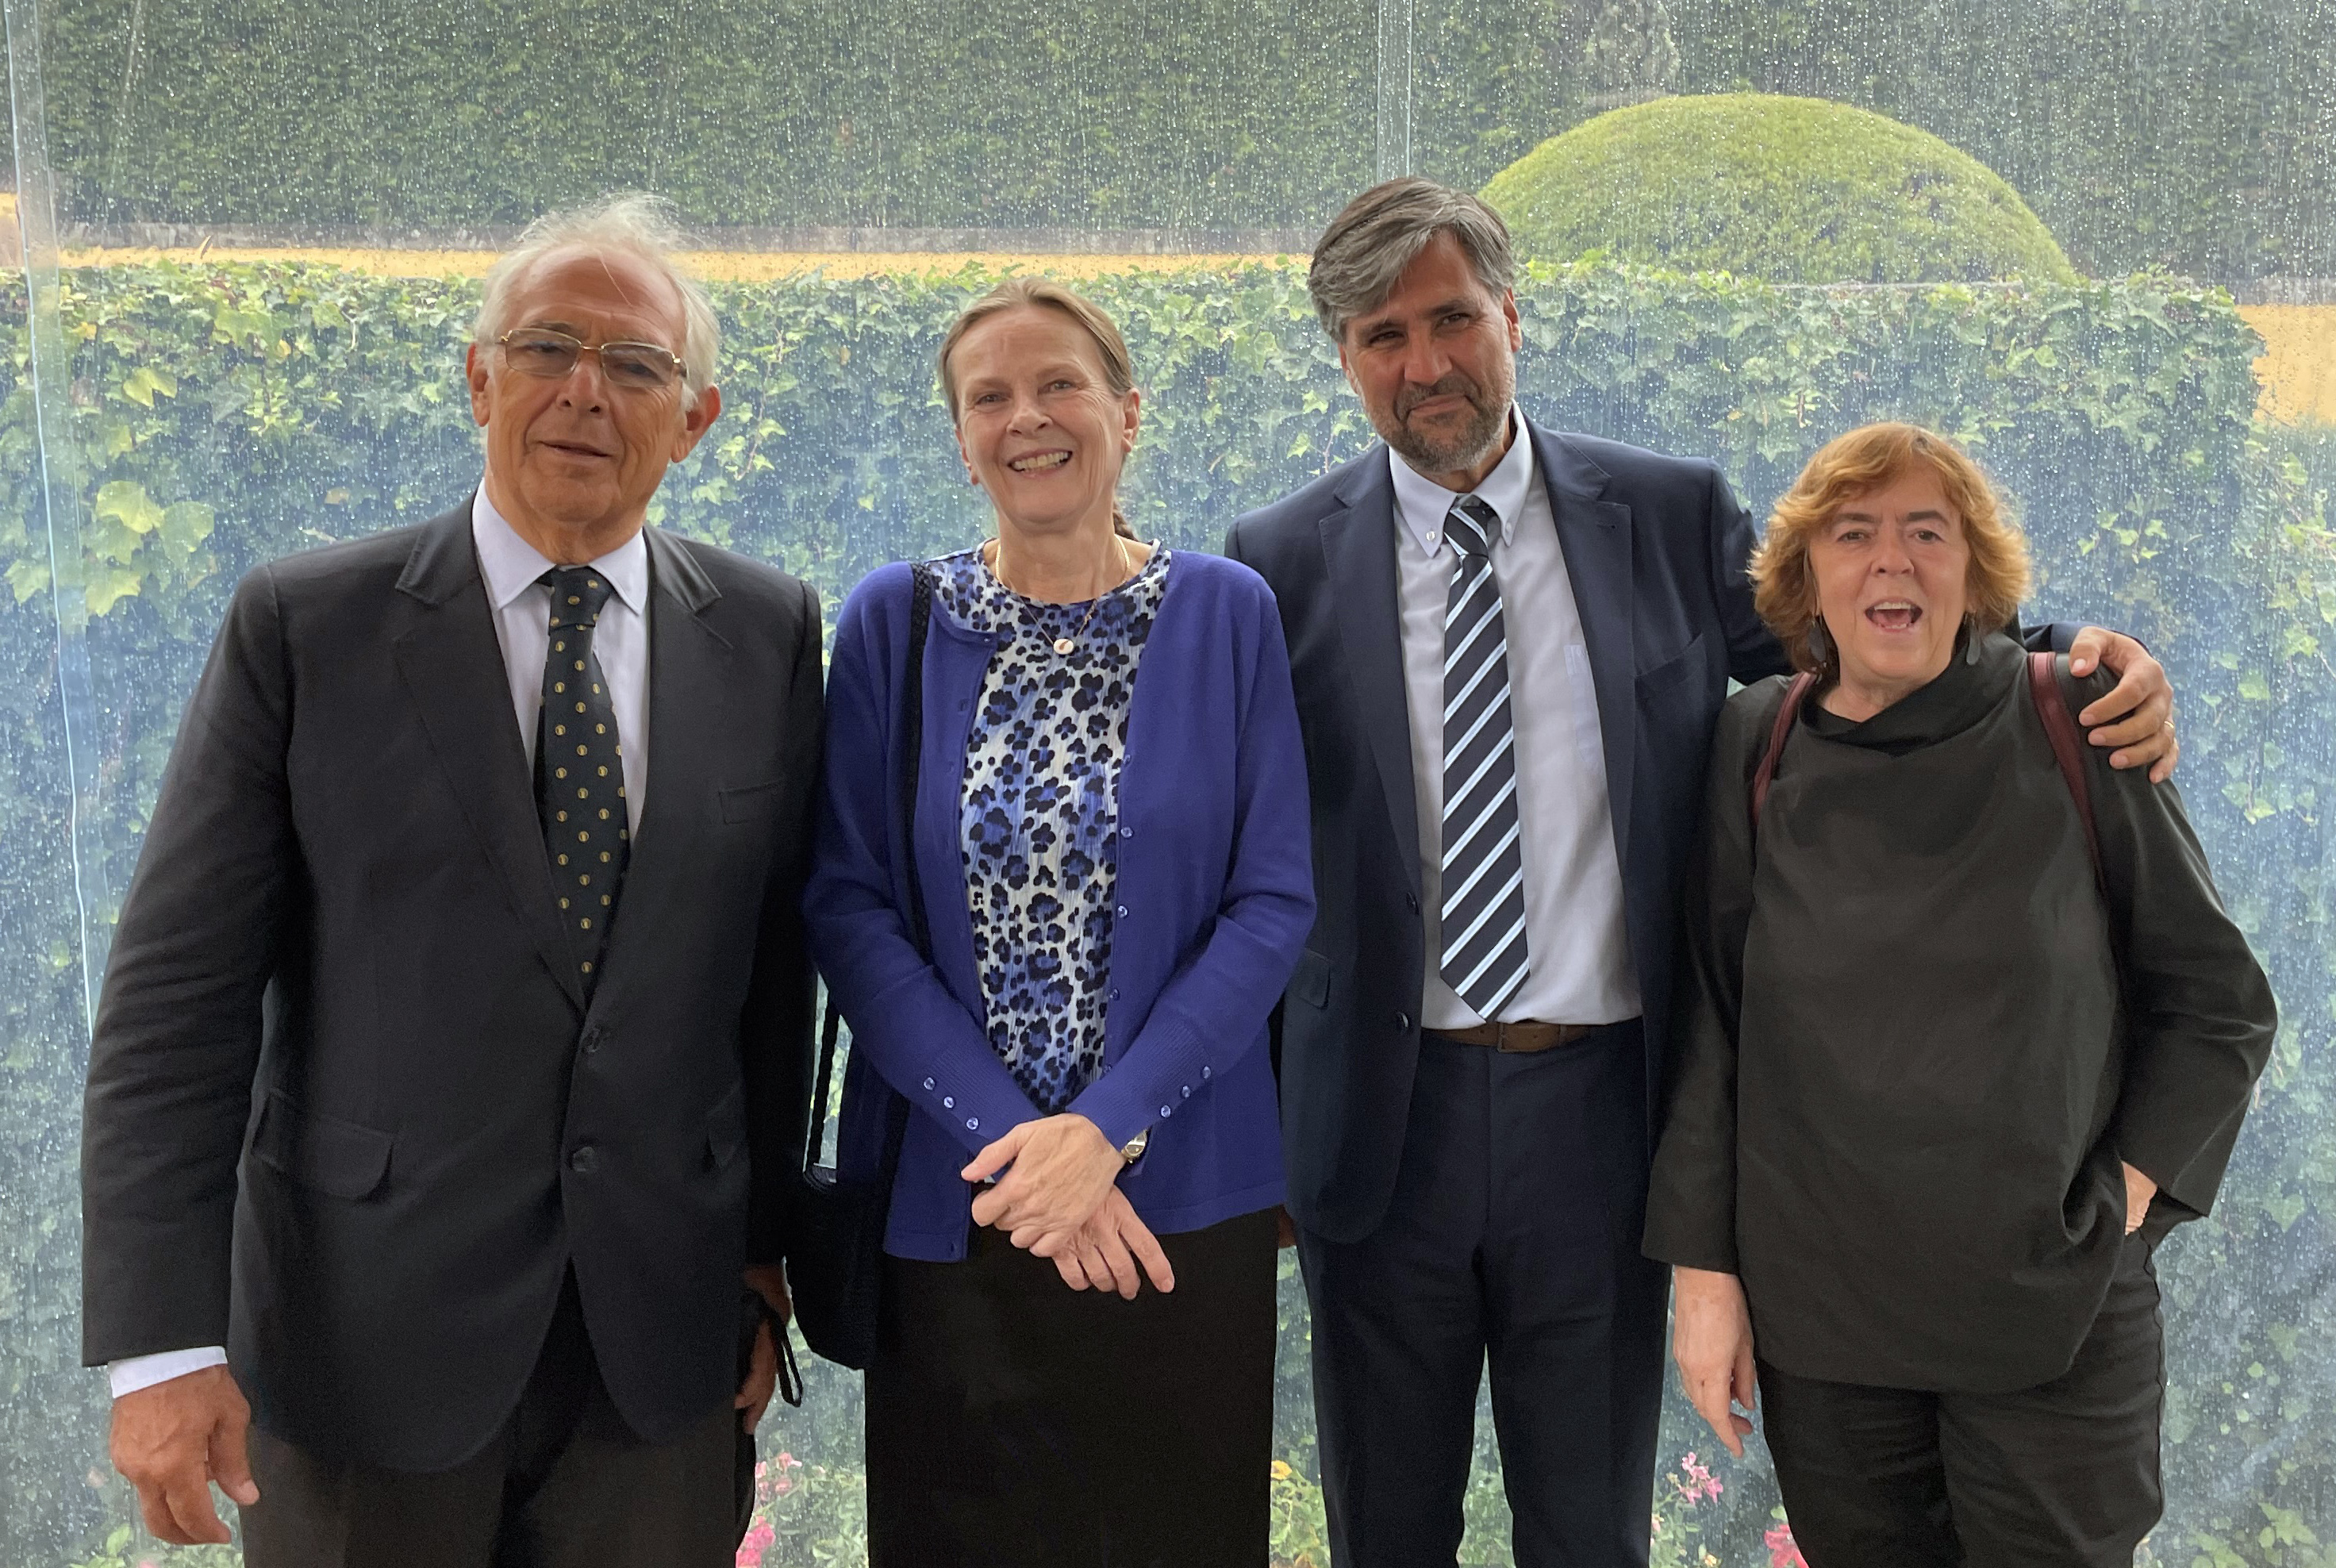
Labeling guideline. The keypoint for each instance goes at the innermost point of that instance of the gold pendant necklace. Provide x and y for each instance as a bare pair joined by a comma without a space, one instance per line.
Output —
1065,644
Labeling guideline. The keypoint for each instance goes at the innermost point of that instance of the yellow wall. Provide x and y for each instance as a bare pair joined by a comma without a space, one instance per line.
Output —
2298,369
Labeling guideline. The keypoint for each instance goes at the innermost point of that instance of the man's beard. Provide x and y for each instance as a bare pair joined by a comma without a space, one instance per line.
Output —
1464,448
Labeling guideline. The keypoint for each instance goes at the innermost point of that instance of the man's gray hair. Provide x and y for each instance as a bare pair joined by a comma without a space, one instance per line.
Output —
1382,231
634,223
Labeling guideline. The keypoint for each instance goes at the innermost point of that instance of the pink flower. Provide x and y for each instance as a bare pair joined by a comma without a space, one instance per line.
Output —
1782,1552
1700,1486
757,1542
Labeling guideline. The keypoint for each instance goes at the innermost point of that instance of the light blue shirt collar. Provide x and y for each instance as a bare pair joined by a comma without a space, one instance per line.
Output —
512,566
1421,504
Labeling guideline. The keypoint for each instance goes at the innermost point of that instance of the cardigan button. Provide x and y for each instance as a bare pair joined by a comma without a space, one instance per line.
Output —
1121,911
1127,832
929,1083
1188,1091
1204,1075
1167,1110
973,1124
948,1103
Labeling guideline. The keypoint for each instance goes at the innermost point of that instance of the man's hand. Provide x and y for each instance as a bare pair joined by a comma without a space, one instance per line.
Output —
761,1378
1103,1253
2141,704
1063,1171
770,1282
2139,1191
1711,1340
173,1440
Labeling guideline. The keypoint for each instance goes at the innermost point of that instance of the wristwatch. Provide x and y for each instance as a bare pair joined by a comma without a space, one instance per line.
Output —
1133,1150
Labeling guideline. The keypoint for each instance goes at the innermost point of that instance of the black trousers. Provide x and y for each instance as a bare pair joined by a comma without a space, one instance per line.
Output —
565,1484
1014,1422
1512,1239
2060,1475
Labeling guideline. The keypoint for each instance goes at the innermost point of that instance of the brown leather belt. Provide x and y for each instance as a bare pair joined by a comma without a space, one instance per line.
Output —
1519,1038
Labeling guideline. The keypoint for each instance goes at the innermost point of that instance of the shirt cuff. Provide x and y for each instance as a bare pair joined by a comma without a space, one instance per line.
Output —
144,1371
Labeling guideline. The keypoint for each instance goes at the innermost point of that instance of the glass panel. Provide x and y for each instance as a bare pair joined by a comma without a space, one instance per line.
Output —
274,213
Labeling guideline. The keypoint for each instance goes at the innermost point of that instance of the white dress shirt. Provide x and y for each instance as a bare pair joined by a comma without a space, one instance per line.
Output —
509,567
1579,955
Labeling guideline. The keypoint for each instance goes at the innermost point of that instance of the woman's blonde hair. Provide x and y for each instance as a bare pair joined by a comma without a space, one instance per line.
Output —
1784,591
1021,289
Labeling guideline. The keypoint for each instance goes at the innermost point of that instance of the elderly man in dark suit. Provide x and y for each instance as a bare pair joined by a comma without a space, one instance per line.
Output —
450,1060
1510,647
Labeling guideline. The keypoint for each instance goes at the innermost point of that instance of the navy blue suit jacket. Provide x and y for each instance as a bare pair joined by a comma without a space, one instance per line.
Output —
1656,547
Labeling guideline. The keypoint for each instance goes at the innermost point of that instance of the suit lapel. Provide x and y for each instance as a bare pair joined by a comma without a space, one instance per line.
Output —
1358,547
1595,536
452,664
690,681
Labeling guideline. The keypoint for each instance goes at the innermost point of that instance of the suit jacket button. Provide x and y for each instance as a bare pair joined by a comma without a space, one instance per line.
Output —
584,1161
1402,1022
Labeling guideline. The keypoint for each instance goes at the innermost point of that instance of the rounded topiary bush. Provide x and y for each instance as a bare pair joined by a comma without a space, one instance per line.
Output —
1791,189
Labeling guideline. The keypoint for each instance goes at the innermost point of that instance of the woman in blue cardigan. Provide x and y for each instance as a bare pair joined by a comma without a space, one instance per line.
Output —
1111,861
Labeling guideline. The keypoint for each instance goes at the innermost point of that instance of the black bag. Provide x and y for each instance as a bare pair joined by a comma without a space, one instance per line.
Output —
836,1259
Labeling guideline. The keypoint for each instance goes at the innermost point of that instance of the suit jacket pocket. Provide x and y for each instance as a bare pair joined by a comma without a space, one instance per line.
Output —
750,803
725,1127
340,1159
1672,670
1311,980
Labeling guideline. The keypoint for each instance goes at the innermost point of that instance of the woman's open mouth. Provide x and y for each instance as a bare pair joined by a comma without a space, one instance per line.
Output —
1895,614
1039,462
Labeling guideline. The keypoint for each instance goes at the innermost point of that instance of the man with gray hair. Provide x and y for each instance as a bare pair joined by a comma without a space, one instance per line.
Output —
1510,646
448,1074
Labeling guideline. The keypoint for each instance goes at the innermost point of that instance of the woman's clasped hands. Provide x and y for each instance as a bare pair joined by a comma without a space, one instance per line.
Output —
1059,1199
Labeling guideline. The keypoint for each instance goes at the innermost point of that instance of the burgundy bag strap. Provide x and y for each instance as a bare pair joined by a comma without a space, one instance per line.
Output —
1796,693
2068,747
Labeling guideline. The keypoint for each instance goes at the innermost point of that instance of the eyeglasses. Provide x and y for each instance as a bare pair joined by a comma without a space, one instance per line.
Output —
635,366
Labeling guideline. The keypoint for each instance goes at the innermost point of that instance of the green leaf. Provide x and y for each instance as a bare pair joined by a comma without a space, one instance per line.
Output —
126,502
144,381
109,585
27,577
185,524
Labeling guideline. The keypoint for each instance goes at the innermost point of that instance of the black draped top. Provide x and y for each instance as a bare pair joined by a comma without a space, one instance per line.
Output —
1906,1070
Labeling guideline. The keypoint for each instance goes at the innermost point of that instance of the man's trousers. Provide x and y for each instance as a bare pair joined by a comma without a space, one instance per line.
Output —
1512,1238
563,1484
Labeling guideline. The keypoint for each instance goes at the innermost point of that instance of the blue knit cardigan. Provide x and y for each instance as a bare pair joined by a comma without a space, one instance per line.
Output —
1215,898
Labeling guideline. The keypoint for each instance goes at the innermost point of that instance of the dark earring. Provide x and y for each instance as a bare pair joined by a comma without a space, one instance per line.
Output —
1820,644
1971,638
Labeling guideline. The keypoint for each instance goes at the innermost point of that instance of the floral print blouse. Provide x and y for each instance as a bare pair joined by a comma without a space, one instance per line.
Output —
1039,814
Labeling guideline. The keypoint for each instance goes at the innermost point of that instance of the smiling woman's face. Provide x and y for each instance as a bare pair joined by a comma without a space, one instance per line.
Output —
1038,424
1892,573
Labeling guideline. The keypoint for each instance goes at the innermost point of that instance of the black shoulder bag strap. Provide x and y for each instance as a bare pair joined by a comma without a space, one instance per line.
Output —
855,1341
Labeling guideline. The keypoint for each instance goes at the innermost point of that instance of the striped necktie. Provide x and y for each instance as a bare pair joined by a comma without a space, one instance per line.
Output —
1483,914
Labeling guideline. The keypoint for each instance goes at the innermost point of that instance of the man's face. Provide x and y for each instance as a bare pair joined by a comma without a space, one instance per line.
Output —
1436,363
577,456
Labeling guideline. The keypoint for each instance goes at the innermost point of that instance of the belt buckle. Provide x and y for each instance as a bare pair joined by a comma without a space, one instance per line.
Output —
1501,1042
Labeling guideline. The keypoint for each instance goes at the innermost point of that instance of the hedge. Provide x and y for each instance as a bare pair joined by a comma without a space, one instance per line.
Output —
2184,134
230,414
1789,190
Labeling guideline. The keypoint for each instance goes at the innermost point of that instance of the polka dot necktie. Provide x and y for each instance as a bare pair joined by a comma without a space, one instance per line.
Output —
579,769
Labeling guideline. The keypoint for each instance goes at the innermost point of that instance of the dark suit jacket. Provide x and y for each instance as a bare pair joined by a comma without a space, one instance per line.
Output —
1656,547
347,1112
